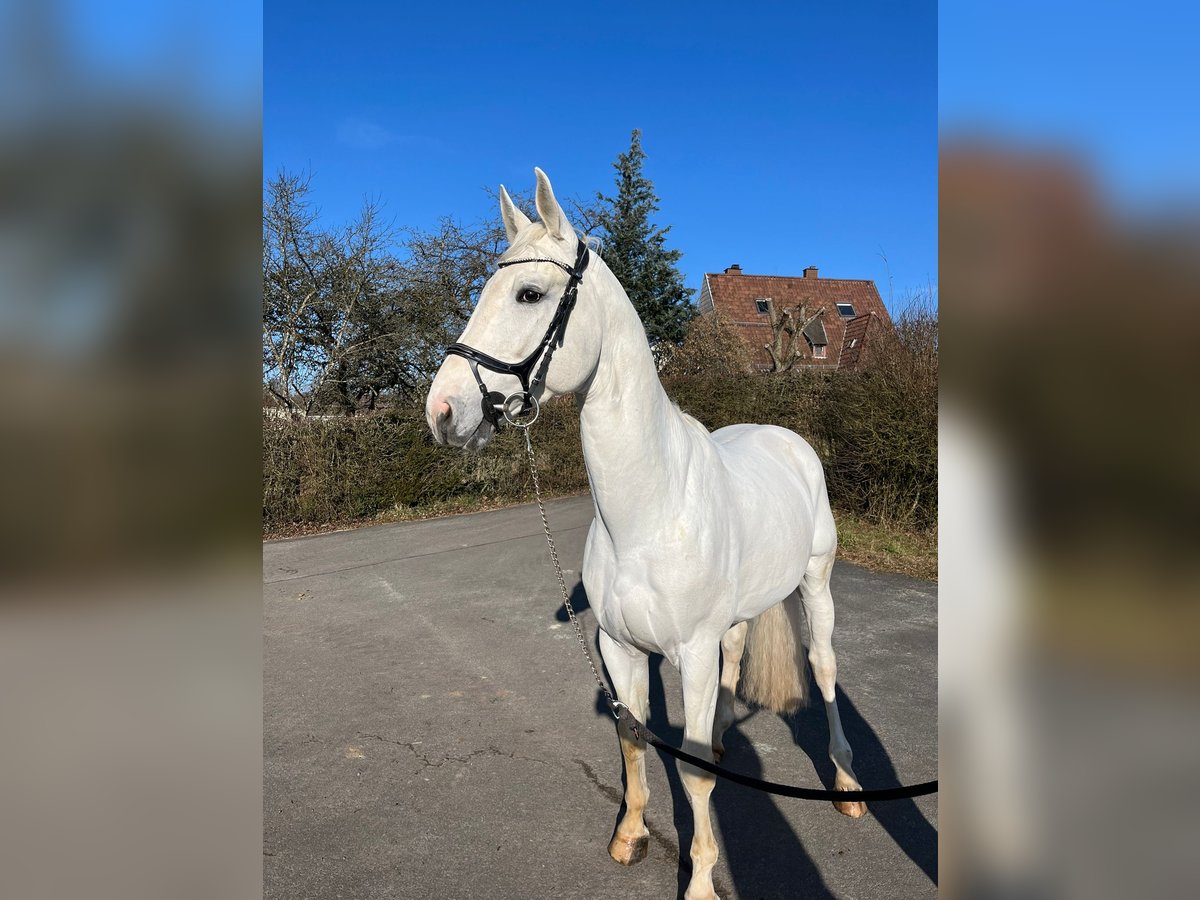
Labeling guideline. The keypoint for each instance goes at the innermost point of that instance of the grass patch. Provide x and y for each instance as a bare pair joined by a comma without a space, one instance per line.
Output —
881,548
453,506
887,548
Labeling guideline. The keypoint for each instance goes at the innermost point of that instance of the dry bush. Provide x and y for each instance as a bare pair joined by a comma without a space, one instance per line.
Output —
321,471
712,347
318,471
877,428
876,431
718,400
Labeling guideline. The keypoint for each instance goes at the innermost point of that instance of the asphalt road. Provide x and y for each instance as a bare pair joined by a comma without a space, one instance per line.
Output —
431,731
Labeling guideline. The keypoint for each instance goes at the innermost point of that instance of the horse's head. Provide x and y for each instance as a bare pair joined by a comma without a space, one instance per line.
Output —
519,311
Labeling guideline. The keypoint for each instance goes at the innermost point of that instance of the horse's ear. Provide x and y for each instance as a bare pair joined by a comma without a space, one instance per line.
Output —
549,211
514,219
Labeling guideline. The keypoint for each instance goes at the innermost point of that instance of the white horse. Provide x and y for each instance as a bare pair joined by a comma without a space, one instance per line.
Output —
696,535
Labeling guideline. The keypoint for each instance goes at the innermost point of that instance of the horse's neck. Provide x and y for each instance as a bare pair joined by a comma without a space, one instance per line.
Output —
634,438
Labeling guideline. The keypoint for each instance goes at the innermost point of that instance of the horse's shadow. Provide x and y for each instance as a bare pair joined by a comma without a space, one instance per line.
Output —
579,602
765,856
901,819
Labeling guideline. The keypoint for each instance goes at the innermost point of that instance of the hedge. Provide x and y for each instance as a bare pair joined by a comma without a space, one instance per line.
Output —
876,432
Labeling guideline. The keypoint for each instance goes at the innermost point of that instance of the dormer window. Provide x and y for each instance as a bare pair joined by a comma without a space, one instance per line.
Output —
845,310
761,305
817,339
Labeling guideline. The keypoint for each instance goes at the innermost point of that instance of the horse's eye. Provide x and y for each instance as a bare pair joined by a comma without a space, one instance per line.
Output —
528,296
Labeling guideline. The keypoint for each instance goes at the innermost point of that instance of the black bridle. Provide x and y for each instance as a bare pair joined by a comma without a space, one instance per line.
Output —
497,407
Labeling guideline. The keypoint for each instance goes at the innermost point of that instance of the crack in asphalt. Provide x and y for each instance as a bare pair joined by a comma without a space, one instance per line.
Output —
437,763
615,796
610,792
661,839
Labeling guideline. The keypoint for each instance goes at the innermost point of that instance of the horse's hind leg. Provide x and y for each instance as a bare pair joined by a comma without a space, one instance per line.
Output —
818,610
731,670
630,672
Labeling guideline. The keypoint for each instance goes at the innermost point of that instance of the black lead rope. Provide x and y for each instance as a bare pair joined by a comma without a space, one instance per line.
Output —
641,732
496,409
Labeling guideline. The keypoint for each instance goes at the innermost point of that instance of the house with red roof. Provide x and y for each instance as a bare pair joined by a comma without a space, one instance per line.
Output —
852,314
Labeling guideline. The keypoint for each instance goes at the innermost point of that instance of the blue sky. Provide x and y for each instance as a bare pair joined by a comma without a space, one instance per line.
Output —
777,137
206,55
1111,85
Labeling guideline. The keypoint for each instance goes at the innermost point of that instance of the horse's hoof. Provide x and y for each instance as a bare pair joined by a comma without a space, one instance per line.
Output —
629,851
855,810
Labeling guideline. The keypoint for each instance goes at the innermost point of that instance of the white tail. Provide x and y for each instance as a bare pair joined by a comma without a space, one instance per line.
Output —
775,669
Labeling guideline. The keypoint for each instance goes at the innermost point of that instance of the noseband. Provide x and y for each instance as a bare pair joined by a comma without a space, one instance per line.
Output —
497,407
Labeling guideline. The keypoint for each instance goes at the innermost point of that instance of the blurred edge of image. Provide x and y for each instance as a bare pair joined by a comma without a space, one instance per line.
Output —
130,210
1068,615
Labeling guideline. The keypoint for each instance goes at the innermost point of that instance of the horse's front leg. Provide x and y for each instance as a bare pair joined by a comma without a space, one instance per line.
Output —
629,669
699,666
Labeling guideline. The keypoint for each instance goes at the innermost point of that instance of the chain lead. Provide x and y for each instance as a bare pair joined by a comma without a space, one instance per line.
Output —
613,705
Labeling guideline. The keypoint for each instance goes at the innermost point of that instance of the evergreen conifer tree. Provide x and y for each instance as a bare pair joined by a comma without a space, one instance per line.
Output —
635,249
